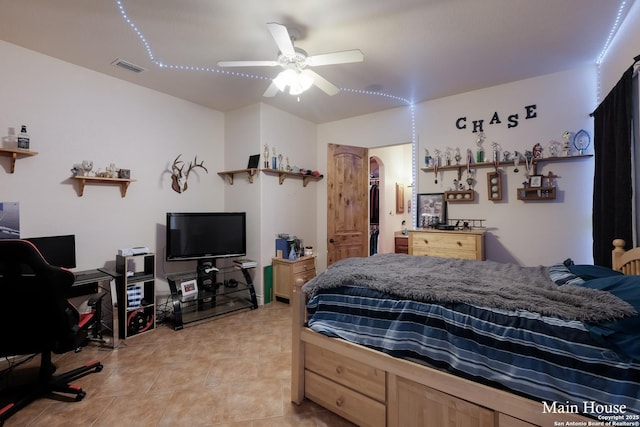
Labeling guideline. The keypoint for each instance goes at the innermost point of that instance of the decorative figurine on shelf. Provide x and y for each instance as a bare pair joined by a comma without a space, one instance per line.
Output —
537,151
265,159
495,154
566,148
516,161
274,159
457,157
436,164
87,166
506,156
448,155
280,162
528,162
288,167
427,158
554,148
581,141
480,151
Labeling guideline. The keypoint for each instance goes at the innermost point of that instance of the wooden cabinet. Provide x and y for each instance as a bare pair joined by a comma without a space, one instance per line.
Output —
287,272
468,244
401,243
345,386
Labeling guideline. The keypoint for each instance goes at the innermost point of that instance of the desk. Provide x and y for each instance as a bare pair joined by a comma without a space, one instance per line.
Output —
88,282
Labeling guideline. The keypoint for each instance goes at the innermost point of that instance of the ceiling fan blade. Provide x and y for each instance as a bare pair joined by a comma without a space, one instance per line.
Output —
271,91
281,35
343,57
322,83
247,63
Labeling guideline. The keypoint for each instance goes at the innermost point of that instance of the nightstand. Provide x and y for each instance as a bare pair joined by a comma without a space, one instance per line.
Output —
287,272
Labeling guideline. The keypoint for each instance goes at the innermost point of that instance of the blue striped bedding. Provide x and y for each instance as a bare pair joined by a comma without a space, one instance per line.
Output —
541,357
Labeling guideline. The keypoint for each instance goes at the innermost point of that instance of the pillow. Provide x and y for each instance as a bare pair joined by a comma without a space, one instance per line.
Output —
589,272
623,334
561,275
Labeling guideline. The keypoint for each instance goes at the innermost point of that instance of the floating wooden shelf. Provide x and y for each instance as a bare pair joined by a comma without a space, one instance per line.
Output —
537,193
284,174
230,174
122,182
534,164
14,154
460,196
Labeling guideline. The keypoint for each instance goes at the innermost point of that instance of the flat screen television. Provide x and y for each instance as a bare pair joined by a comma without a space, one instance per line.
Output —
57,250
206,235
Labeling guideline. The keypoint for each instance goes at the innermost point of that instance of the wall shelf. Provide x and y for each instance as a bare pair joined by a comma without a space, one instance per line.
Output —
534,164
282,175
14,154
536,193
228,175
122,182
460,196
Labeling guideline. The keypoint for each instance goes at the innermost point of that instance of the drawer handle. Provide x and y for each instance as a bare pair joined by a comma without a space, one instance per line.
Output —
426,241
339,370
459,243
339,402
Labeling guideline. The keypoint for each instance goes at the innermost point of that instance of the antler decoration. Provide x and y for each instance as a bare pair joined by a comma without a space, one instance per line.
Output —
178,177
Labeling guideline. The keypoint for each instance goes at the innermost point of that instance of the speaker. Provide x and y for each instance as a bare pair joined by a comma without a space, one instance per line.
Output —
139,320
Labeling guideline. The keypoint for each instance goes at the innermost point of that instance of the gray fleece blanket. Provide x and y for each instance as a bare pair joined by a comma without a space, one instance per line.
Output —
481,283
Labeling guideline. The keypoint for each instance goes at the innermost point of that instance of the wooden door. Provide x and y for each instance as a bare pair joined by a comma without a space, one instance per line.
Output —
347,202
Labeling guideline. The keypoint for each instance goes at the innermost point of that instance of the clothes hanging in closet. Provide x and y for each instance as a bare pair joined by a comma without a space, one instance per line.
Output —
374,204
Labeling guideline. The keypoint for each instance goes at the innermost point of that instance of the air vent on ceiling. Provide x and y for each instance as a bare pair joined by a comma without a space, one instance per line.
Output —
127,65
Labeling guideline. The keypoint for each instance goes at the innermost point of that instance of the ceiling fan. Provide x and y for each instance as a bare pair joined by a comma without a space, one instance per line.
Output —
295,62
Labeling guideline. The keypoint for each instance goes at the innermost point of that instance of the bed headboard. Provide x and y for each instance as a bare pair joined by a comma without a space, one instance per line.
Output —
628,262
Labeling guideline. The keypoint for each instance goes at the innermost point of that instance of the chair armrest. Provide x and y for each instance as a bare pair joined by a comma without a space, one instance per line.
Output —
96,298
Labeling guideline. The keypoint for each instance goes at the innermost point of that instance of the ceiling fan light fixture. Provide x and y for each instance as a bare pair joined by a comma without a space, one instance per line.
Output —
297,81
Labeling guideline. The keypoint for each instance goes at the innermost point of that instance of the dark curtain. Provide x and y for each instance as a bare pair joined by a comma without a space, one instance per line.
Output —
612,189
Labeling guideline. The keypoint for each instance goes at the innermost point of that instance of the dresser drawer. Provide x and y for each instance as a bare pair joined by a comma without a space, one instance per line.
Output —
345,402
447,245
303,266
346,371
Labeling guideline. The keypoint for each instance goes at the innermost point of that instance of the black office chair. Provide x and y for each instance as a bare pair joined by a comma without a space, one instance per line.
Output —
36,318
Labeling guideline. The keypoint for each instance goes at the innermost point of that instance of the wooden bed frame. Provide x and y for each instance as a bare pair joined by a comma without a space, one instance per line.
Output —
371,388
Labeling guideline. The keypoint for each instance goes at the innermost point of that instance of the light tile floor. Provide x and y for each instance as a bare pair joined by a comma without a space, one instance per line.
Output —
232,371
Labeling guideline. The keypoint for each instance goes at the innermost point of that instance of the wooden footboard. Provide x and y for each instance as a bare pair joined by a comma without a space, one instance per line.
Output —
371,388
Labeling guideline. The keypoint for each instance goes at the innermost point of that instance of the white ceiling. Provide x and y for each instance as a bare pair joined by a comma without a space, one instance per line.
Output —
415,50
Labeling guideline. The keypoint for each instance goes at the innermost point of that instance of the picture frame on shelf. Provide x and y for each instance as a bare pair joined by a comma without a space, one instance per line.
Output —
189,289
535,181
431,210
253,162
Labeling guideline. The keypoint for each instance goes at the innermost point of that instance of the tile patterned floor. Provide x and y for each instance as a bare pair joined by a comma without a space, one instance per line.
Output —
232,371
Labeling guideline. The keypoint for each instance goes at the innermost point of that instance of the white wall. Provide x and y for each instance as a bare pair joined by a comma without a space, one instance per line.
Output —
271,207
526,233
529,233
73,114
623,49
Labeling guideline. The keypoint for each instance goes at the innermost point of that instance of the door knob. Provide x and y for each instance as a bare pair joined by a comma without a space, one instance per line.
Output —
331,241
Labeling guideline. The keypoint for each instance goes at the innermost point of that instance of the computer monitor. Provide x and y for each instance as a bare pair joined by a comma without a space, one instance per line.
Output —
57,250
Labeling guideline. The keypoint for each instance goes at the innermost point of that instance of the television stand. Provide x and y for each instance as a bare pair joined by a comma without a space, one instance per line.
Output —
219,292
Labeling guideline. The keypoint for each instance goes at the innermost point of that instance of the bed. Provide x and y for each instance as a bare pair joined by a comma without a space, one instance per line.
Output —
497,356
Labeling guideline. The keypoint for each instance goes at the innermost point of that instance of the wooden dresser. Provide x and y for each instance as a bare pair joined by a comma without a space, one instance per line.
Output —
286,272
467,244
